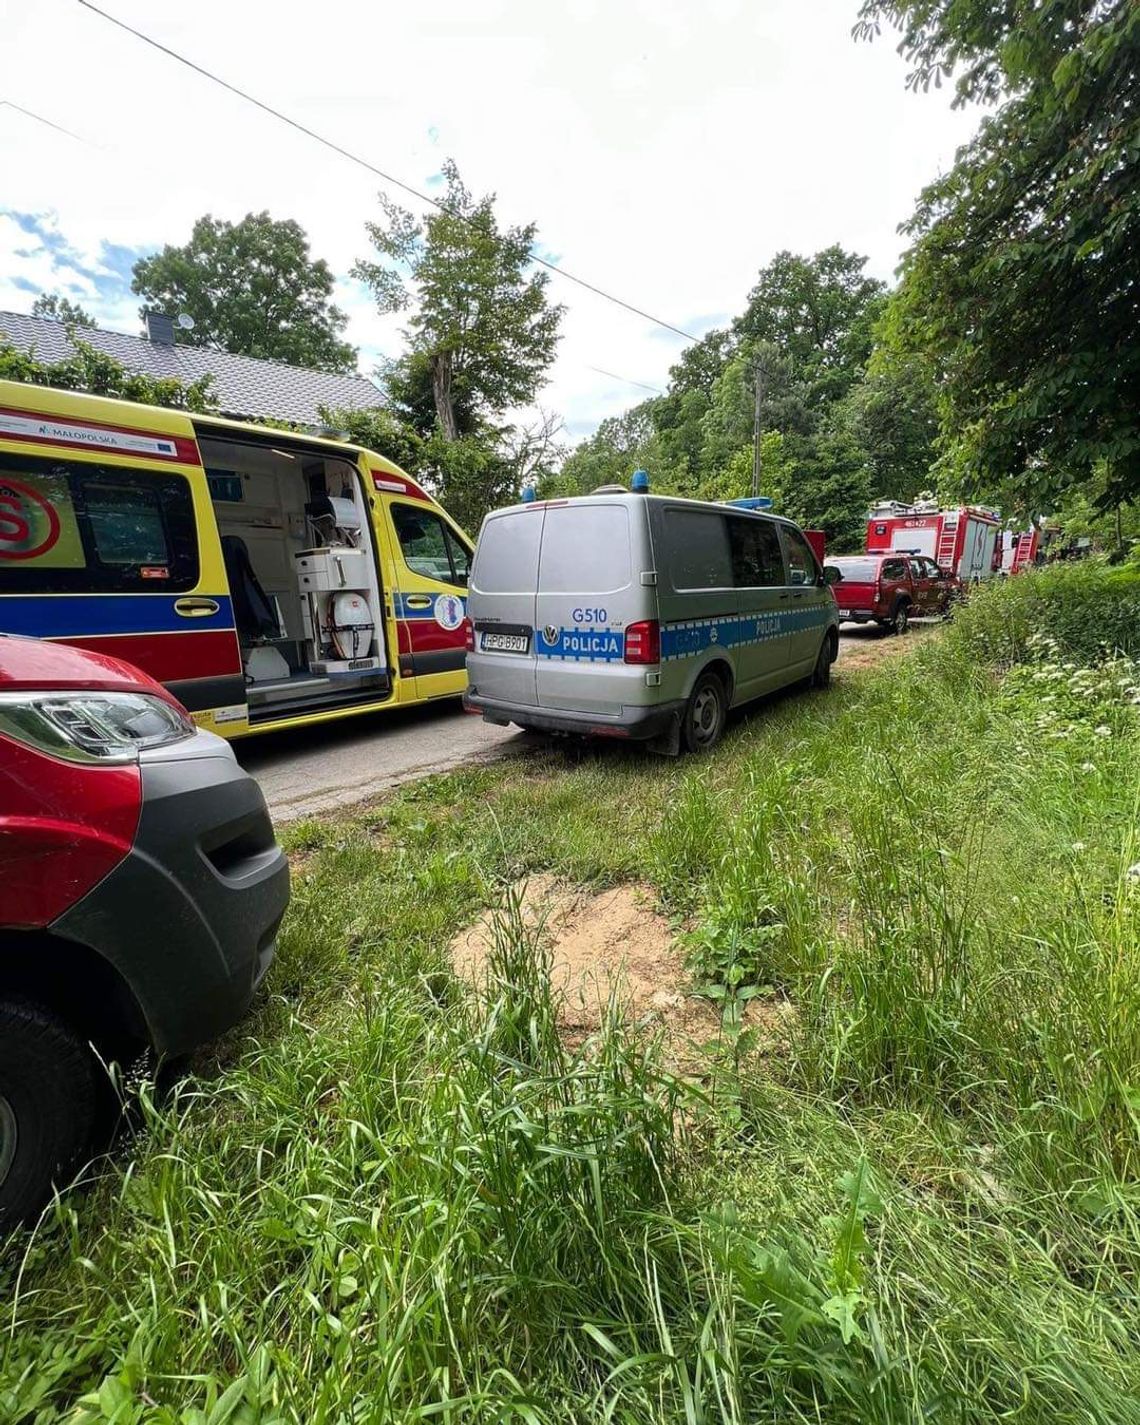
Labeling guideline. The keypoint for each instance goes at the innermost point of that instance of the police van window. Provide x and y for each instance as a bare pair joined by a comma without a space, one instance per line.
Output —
506,556
699,556
429,547
802,568
585,549
74,527
757,560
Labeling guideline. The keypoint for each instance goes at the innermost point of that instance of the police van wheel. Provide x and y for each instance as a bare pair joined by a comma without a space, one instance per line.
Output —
705,714
821,674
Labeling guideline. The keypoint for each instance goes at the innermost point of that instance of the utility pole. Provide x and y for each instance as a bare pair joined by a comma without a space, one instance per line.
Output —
759,377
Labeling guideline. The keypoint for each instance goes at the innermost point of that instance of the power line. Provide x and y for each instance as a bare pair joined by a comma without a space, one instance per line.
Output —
657,391
371,167
39,118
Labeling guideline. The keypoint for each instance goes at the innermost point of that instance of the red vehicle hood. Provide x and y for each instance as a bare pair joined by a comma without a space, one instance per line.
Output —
32,665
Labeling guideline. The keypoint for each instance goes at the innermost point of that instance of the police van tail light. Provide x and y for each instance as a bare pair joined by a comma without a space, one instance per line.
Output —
643,642
469,635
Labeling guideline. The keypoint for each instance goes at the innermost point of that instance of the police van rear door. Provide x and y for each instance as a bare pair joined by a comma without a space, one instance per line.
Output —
589,592
501,605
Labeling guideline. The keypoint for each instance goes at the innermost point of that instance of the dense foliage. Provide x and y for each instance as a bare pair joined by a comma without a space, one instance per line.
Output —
91,370
251,288
837,430
1022,287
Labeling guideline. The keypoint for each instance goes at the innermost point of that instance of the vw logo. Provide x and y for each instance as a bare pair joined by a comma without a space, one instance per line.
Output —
550,634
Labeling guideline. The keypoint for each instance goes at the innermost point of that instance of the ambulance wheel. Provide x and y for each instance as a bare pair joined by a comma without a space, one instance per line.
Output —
705,714
900,619
47,1107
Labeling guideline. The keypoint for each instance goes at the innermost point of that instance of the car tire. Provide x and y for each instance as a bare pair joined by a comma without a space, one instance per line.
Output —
48,1090
705,714
821,673
900,619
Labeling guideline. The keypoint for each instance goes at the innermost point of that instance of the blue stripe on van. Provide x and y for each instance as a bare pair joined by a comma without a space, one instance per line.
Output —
684,639
689,637
88,615
405,610
693,636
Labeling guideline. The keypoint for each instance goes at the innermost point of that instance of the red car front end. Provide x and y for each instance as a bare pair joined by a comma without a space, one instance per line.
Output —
140,893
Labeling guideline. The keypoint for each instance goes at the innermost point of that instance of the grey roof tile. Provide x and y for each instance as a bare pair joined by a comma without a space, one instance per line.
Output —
243,385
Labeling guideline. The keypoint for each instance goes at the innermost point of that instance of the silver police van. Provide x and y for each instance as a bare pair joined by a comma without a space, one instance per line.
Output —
641,616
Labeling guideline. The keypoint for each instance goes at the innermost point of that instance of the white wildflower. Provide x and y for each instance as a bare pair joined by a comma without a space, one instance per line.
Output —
1103,730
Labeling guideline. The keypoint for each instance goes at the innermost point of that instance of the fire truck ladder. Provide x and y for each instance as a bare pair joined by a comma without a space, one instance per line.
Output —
947,539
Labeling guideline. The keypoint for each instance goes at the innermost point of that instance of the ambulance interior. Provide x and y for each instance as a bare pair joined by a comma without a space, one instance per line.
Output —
298,546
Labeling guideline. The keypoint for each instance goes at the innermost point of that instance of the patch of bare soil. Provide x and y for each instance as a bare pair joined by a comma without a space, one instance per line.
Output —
869,646
603,944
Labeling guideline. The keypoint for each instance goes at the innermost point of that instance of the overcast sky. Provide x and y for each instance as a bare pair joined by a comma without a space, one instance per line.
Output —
666,148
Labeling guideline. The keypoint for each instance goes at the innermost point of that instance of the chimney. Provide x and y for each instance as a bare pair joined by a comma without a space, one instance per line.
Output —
160,328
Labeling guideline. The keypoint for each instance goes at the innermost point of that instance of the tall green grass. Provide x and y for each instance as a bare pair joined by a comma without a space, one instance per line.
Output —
384,1199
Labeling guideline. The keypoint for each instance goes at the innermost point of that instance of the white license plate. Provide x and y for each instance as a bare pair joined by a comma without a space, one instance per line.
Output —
504,643
844,613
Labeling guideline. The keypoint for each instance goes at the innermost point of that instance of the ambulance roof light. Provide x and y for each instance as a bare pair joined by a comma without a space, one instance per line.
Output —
528,495
640,482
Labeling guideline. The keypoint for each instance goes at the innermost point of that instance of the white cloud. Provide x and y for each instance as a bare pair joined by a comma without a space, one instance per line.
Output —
667,149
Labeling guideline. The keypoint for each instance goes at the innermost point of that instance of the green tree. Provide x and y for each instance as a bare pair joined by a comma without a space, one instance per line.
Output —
60,309
381,430
820,313
483,332
1022,285
828,487
678,415
892,412
252,288
610,456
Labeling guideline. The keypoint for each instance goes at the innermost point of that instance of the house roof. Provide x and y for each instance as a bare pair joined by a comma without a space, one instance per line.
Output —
243,386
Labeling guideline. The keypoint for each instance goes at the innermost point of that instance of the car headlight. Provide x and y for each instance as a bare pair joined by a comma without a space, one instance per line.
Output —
106,728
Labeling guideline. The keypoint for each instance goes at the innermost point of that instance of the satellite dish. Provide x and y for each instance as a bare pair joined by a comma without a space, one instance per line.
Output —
186,322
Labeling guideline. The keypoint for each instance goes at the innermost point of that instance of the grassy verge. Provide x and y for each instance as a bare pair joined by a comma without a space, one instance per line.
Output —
381,1202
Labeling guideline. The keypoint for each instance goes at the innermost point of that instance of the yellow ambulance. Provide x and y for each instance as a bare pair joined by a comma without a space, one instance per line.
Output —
269,579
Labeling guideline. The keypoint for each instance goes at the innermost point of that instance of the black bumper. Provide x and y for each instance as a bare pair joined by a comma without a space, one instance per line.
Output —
190,917
635,724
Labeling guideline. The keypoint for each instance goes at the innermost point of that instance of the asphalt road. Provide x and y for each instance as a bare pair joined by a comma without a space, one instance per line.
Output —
315,770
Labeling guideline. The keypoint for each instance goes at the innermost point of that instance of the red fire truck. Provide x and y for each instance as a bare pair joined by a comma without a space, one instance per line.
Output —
963,540
1019,550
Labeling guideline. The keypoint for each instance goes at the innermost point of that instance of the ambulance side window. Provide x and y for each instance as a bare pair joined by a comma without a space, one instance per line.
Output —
86,528
428,546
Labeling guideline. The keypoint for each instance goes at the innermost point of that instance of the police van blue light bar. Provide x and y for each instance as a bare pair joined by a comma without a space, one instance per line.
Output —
751,502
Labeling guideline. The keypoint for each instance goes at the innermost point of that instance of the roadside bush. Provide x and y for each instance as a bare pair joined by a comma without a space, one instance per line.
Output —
1089,609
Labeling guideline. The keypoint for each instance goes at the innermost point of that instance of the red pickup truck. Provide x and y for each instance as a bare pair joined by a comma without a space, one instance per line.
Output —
889,589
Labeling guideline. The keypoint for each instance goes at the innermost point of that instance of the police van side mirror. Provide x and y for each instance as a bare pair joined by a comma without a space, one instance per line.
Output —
831,574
